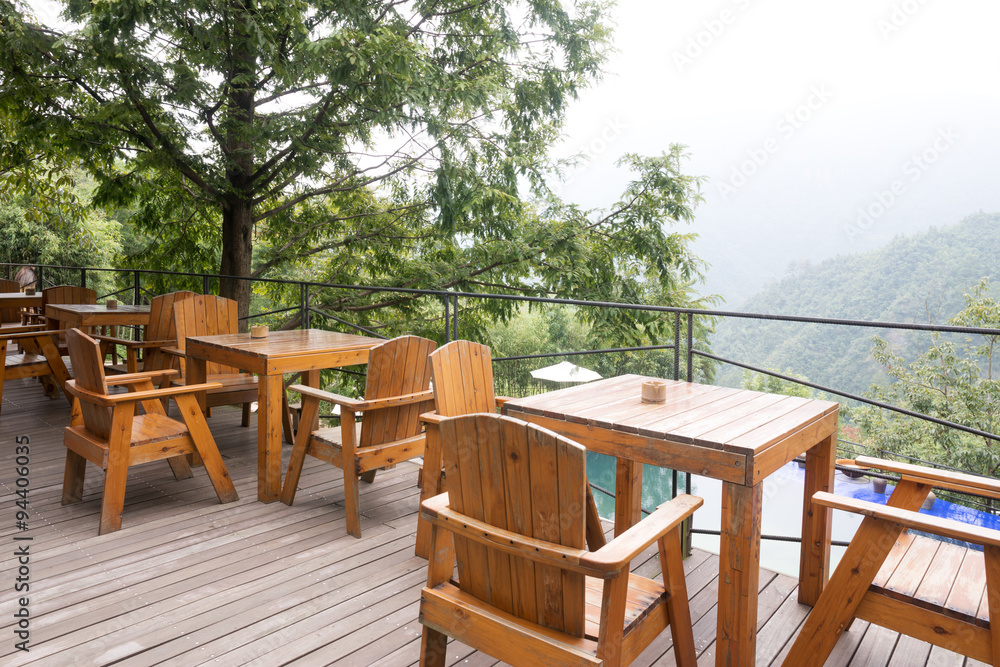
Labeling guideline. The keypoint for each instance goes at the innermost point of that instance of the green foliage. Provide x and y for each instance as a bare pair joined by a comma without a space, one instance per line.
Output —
774,385
916,278
951,381
352,142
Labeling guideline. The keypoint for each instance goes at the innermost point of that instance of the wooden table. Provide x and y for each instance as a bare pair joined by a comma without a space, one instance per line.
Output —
88,315
20,300
305,350
737,436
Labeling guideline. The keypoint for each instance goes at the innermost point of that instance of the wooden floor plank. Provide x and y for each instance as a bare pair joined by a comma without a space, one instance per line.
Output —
190,581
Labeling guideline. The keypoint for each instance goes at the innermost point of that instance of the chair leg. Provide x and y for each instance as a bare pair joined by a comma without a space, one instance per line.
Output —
73,477
672,567
433,648
204,444
431,479
180,467
369,476
310,406
352,501
113,500
245,420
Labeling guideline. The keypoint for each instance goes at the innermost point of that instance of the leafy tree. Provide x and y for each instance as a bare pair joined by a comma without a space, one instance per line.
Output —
952,381
357,142
775,385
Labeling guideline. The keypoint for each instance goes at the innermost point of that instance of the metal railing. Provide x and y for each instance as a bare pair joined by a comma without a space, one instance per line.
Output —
450,300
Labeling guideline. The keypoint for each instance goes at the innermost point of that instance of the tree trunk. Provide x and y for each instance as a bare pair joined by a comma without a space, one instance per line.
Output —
237,215
237,255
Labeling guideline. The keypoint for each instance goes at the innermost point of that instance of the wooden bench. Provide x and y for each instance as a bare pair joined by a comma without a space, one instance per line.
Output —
38,358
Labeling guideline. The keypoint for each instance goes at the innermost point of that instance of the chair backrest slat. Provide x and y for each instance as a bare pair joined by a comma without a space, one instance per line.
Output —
88,372
205,315
396,367
67,294
463,379
161,327
533,482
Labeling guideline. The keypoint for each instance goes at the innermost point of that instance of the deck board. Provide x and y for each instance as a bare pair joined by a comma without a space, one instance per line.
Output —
190,581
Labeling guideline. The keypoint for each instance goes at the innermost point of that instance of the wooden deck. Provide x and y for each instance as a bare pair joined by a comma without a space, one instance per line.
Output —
188,581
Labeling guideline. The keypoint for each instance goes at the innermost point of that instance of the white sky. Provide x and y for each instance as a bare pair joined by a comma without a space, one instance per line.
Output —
897,74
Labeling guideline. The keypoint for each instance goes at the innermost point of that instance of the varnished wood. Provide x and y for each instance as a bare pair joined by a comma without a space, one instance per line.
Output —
62,294
40,359
737,436
924,588
269,358
114,438
159,332
515,510
397,391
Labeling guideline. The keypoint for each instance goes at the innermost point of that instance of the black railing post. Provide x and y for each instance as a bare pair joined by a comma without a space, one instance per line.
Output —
304,305
447,323
677,345
40,278
136,294
454,319
83,277
690,347
204,284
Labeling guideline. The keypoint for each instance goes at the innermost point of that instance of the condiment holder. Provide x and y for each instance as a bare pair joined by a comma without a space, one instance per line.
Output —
654,391
30,291
111,304
258,331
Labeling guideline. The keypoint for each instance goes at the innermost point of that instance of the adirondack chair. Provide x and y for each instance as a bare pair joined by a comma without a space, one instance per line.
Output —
396,393
208,315
528,592
936,592
107,432
39,358
159,333
463,384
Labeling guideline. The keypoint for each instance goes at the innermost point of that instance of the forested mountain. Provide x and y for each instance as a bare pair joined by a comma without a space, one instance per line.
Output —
919,278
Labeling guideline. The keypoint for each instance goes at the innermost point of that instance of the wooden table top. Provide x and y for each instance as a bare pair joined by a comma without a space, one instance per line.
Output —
84,315
295,342
732,427
92,309
20,300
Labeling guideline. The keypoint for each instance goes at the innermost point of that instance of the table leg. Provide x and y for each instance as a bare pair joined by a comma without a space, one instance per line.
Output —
814,559
628,495
739,574
269,390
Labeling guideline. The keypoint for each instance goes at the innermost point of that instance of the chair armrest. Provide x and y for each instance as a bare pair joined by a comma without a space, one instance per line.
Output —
619,552
431,418
135,396
943,479
133,343
134,378
925,522
500,400
361,405
436,511
33,332
22,328
177,352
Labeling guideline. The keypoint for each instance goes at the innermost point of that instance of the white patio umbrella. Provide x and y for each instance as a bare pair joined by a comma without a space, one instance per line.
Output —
565,372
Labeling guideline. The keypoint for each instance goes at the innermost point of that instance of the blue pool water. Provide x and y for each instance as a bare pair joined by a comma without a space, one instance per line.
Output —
782,513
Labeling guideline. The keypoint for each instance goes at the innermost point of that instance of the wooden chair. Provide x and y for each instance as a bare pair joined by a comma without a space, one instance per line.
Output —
39,358
208,315
936,592
107,432
528,592
463,384
159,333
396,393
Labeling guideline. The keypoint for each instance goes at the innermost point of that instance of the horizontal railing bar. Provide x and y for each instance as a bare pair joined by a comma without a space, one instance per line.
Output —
547,355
